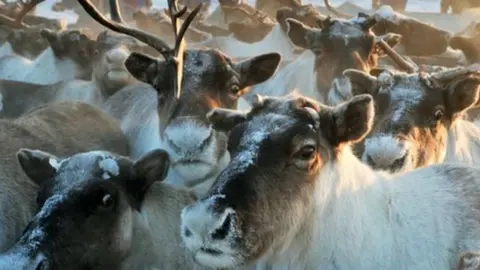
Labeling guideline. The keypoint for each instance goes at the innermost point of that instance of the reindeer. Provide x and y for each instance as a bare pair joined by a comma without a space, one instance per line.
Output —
68,56
295,196
337,45
134,218
413,32
175,120
419,117
21,38
64,129
109,76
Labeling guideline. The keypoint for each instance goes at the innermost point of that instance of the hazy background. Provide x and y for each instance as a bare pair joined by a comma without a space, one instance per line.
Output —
413,5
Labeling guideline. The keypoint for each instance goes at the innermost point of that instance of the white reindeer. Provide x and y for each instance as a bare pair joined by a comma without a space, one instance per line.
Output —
295,196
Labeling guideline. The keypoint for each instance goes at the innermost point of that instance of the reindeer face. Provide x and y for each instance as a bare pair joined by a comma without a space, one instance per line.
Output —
338,45
210,80
413,115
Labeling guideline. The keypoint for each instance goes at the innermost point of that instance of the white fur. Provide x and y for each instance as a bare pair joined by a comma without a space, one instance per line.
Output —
384,148
366,220
110,167
298,74
45,69
6,49
463,143
406,98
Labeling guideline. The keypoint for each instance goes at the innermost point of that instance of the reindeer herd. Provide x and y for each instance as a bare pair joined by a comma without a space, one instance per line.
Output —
281,138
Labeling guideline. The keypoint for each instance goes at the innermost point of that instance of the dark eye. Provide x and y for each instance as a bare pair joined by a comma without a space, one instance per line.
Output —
307,152
438,115
107,201
234,89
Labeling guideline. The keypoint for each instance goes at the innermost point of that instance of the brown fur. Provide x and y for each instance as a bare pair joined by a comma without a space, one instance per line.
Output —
272,6
252,29
62,128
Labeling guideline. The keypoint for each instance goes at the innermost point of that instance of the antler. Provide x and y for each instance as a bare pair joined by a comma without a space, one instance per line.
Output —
27,6
337,13
175,55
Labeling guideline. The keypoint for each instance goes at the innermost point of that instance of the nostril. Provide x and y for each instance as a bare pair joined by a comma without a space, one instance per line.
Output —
222,232
42,265
398,163
187,232
370,161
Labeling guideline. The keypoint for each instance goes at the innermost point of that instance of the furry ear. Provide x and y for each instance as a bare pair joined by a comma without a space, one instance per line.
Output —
300,34
258,69
38,165
352,120
151,167
361,82
225,119
463,94
142,67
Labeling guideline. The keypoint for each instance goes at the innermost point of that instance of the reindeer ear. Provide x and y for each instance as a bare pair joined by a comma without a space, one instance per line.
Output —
258,69
38,165
463,94
352,120
300,34
149,168
361,82
142,67
225,119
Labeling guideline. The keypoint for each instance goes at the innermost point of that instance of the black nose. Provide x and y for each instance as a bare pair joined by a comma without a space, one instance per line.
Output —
222,231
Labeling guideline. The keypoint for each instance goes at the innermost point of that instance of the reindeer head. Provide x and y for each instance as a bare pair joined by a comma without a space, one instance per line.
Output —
413,114
263,198
306,14
109,66
88,202
189,84
339,44
75,45
27,42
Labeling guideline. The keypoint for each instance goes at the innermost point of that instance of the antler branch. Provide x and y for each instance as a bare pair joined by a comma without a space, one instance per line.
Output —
17,22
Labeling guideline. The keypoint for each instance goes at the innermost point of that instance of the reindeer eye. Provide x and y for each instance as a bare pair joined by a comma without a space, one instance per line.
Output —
307,152
438,115
234,89
107,201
